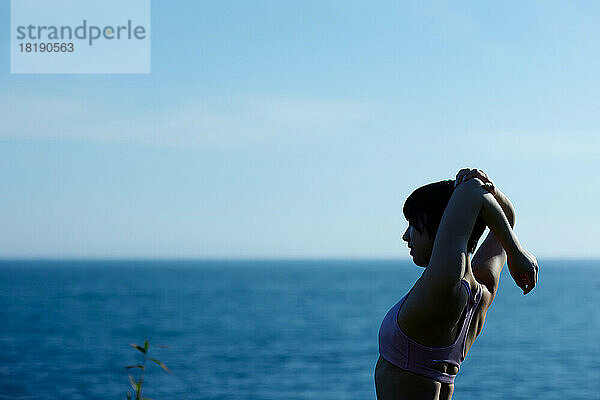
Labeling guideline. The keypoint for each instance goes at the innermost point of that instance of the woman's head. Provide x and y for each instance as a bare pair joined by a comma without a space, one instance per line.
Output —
424,209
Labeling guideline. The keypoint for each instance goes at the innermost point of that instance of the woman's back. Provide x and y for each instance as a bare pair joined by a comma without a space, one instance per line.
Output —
421,354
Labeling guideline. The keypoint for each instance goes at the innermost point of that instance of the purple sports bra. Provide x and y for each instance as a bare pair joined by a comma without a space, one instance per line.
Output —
397,348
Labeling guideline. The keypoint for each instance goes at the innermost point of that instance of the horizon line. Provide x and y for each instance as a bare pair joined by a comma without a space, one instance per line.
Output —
264,258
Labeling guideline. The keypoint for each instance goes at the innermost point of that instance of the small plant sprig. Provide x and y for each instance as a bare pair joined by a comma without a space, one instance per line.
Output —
137,385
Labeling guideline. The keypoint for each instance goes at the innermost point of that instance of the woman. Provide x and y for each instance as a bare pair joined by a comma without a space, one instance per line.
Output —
424,338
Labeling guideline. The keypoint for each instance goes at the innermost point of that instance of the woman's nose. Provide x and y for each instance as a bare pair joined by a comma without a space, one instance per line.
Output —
406,236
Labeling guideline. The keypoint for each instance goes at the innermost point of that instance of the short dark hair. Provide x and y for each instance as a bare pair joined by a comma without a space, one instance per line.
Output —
425,206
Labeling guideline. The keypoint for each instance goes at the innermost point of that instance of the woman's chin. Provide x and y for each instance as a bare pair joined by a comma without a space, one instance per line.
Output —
418,262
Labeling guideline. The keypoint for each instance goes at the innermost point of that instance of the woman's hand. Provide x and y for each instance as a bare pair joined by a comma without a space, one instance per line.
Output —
523,268
466,173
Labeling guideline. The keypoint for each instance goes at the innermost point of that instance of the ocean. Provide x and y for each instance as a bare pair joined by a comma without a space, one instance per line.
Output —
287,329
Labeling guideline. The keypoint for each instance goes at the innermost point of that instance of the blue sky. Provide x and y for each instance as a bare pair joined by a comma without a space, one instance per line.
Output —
297,129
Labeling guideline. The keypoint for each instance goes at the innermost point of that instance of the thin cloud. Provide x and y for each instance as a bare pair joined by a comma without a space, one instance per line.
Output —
199,122
545,145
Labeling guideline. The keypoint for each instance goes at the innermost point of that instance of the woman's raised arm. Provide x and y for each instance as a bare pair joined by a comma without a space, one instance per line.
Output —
449,256
465,174
489,260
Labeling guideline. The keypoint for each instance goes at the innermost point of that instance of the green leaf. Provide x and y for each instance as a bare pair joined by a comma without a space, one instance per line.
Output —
135,366
146,345
135,346
128,395
161,364
133,382
146,398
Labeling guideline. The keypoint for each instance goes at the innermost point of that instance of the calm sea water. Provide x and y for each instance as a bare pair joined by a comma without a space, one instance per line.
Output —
274,330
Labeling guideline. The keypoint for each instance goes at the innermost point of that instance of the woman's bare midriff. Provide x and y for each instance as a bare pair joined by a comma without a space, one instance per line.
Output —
393,383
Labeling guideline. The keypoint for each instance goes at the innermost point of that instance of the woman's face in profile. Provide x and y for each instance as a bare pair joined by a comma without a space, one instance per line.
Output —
420,244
